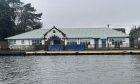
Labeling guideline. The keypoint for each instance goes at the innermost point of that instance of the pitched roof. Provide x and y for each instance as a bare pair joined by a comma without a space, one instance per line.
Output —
120,29
93,32
73,33
35,34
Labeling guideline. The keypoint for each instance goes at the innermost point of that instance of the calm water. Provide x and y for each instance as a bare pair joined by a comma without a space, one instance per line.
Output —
70,70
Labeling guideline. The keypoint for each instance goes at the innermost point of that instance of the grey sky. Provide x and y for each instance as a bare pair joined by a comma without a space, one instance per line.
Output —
88,13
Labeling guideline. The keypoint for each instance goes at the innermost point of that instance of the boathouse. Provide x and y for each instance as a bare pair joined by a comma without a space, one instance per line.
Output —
59,39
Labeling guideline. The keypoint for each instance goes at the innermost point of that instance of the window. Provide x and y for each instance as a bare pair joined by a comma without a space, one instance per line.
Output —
123,39
36,42
121,43
22,41
72,43
12,41
110,40
54,31
85,43
113,42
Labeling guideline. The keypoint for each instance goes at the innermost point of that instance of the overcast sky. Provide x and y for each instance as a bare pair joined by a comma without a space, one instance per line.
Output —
88,13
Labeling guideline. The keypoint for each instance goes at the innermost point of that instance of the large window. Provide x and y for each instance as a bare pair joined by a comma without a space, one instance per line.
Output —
12,41
118,40
85,43
71,43
36,42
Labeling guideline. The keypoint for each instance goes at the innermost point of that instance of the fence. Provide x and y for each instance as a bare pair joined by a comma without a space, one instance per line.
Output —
67,47
56,47
3,45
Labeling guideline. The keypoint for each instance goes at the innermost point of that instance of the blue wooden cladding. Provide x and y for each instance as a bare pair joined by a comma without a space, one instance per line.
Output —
56,47
75,47
66,47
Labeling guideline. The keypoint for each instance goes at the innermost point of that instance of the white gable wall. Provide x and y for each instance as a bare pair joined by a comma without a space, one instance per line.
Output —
51,33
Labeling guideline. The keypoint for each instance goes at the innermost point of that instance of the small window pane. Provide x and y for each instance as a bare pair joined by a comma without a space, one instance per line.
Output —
22,41
54,31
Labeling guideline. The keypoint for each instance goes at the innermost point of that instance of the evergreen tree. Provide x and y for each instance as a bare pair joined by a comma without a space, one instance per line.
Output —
6,20
17,17
28,19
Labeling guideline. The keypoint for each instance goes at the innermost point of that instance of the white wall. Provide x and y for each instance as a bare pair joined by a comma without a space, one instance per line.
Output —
19,45
19,42
138,38
26,42
43,42
91,41
126,43
100,43
110,44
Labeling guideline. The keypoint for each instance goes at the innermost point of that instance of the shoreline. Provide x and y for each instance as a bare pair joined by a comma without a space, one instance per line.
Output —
88,52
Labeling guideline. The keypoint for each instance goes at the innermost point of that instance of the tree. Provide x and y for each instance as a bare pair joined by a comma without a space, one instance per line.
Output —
28,19
6,24
17,17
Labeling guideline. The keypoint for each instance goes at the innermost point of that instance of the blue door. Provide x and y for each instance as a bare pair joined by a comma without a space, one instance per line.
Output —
96,43
56,44
56,41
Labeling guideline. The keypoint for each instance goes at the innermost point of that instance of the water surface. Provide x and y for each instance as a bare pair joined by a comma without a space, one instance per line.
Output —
100,69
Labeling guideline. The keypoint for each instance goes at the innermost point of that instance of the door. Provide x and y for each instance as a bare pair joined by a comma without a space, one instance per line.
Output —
56,41
96,43
117,44
103,43
55,44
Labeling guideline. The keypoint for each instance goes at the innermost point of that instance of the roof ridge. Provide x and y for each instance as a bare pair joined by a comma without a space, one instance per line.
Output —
82,28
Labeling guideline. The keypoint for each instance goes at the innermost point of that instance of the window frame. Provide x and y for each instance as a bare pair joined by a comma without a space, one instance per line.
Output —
13,42
36,42
22,41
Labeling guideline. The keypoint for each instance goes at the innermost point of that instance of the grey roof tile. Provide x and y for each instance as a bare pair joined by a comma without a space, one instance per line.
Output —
73,33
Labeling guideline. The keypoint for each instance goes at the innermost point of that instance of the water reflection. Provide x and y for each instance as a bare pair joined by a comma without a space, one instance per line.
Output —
14,69
70,70
136,68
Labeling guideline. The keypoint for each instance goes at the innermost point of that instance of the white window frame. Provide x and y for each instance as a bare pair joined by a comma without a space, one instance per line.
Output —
22,41
36,42
12,41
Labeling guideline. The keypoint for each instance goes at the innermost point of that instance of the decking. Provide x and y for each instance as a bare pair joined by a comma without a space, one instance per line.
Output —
91,52
88,52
